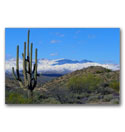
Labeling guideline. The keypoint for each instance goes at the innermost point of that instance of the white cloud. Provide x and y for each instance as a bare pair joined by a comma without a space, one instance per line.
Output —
53,54
51,66
54,41
60,34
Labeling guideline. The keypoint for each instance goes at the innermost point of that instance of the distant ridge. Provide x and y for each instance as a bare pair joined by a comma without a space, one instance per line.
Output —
68,61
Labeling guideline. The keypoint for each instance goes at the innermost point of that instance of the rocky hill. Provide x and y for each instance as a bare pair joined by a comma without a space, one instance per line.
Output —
92,85
105,74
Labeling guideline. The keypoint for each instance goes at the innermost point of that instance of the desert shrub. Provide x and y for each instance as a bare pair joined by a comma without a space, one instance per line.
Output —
108,70
38,96
15,98
105,85
105,90
93,98
99,72
49,100
86,83
42,96
59,93
115,85
81,95
115,101
108,75
108,97
75,84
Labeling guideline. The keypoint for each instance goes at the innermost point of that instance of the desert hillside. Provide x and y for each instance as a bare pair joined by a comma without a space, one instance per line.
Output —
93,85
105,74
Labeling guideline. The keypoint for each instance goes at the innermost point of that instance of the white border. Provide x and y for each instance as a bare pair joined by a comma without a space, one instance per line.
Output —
61,13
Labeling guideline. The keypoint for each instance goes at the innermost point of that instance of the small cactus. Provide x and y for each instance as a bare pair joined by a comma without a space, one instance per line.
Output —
29,73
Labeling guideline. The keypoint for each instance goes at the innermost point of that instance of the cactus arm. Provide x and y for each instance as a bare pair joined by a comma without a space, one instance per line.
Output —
17,58
17,62
34,83
13,73
33,70
24,70
17,69
19,81
24,49
31,58
28,59
28,43
34,79
21,84
24,65
25,61
35,74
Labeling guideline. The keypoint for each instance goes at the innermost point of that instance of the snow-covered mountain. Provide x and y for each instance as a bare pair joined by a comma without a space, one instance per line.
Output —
59,66
67,61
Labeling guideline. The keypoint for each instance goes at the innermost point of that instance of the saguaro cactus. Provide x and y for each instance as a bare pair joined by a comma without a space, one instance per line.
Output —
29,74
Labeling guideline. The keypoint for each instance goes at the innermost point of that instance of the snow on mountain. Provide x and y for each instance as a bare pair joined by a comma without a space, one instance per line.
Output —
59,66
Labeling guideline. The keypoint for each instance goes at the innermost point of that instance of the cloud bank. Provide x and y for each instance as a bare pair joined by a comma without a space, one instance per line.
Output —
52,66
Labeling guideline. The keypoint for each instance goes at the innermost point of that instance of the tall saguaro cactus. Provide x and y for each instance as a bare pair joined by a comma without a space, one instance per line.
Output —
29,73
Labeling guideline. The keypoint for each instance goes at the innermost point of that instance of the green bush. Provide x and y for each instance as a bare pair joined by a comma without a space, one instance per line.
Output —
99,72
15,98
108,70
115,85
87,83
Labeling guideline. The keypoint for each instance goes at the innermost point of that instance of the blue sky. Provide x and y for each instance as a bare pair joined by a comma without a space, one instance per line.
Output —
96,44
